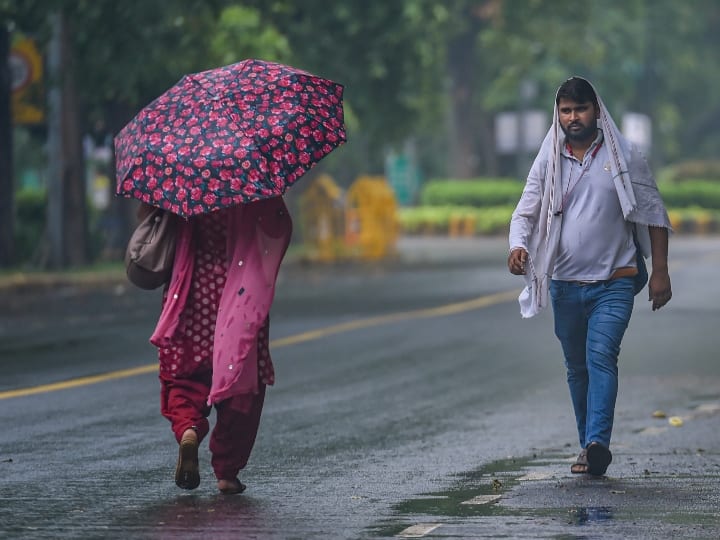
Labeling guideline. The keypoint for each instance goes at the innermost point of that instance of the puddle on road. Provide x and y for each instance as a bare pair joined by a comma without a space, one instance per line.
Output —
530,504
473,495
492,479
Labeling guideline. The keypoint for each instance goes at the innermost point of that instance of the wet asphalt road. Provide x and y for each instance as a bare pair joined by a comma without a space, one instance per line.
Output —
391,420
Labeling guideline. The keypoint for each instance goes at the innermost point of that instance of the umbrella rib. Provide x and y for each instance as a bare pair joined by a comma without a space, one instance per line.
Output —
206,88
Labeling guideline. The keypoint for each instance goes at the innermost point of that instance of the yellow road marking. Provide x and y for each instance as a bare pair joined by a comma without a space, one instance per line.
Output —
441,311
82,381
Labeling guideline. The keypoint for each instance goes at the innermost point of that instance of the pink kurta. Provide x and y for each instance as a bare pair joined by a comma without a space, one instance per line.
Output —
217,304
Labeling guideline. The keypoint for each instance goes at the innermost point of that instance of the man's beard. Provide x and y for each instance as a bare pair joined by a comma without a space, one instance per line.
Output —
586,133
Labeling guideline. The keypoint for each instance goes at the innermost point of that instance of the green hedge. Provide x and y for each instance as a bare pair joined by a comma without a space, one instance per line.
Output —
484,206
707,170
698,193
480,193
476,192
30,225
466,219
29,222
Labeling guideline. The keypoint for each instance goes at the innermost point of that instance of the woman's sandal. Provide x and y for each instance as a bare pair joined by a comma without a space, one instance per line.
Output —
187,471
234,487
581,463
598,458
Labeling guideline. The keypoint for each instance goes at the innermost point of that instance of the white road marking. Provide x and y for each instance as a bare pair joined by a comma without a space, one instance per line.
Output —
708,408
419,530
536,475
482,499
653,430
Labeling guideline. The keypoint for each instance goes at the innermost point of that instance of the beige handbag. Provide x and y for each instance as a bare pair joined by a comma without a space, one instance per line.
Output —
151,250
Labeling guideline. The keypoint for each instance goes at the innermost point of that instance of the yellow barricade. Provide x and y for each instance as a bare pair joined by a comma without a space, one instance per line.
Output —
322,219
371,223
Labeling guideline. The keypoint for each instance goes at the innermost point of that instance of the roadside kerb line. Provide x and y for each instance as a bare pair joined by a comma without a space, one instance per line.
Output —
441,311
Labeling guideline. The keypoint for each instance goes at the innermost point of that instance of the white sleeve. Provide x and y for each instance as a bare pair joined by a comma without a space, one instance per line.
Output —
524,218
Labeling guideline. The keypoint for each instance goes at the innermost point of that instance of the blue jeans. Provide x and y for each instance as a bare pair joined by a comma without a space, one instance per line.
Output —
590,321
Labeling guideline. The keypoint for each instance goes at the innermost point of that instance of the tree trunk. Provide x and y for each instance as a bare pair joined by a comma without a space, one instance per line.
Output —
67,209
122,210
471,136
7,189
485,142
76,214
462,133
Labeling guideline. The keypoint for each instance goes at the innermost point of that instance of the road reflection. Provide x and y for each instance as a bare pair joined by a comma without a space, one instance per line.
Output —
190,516
590,514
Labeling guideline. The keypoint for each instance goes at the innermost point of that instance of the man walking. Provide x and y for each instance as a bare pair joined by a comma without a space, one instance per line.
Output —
589,214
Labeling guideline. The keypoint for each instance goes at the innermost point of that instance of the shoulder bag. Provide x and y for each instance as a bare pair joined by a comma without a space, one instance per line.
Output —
151,250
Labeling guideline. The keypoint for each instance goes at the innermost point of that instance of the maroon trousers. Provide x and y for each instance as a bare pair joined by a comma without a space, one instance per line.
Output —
183,401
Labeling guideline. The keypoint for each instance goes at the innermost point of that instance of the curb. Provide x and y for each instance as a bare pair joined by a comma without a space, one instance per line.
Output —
20,281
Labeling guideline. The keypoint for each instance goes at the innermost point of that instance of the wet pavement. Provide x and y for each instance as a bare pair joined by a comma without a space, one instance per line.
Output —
424,416
651,491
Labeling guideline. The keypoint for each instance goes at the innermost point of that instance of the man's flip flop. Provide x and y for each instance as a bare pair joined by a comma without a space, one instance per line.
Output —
581,464
598,458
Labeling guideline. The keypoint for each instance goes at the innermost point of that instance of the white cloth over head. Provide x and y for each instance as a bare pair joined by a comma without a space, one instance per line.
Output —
636,189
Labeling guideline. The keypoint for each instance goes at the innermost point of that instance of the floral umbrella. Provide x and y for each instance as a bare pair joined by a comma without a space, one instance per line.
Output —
228,136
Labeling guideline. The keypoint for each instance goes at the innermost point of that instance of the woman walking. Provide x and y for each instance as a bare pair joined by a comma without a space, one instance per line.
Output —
213,334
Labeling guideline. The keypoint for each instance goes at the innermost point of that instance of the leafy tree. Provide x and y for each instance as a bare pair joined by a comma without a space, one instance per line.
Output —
430,70
382,53
240,33
131,51
642,55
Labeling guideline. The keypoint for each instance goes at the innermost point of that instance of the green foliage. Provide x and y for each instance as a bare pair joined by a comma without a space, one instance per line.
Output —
464,220
484,206
415,69
241,33
393,57
136,49
475,193
29,223
693,170
487,192
387,54
692,193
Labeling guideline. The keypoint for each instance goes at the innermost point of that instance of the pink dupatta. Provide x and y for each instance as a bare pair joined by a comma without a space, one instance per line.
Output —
258,237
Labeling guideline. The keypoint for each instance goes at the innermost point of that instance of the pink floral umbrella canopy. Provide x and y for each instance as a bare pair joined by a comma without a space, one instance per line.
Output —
228,136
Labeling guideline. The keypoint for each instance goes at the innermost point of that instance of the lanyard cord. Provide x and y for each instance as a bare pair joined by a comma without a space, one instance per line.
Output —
571,185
